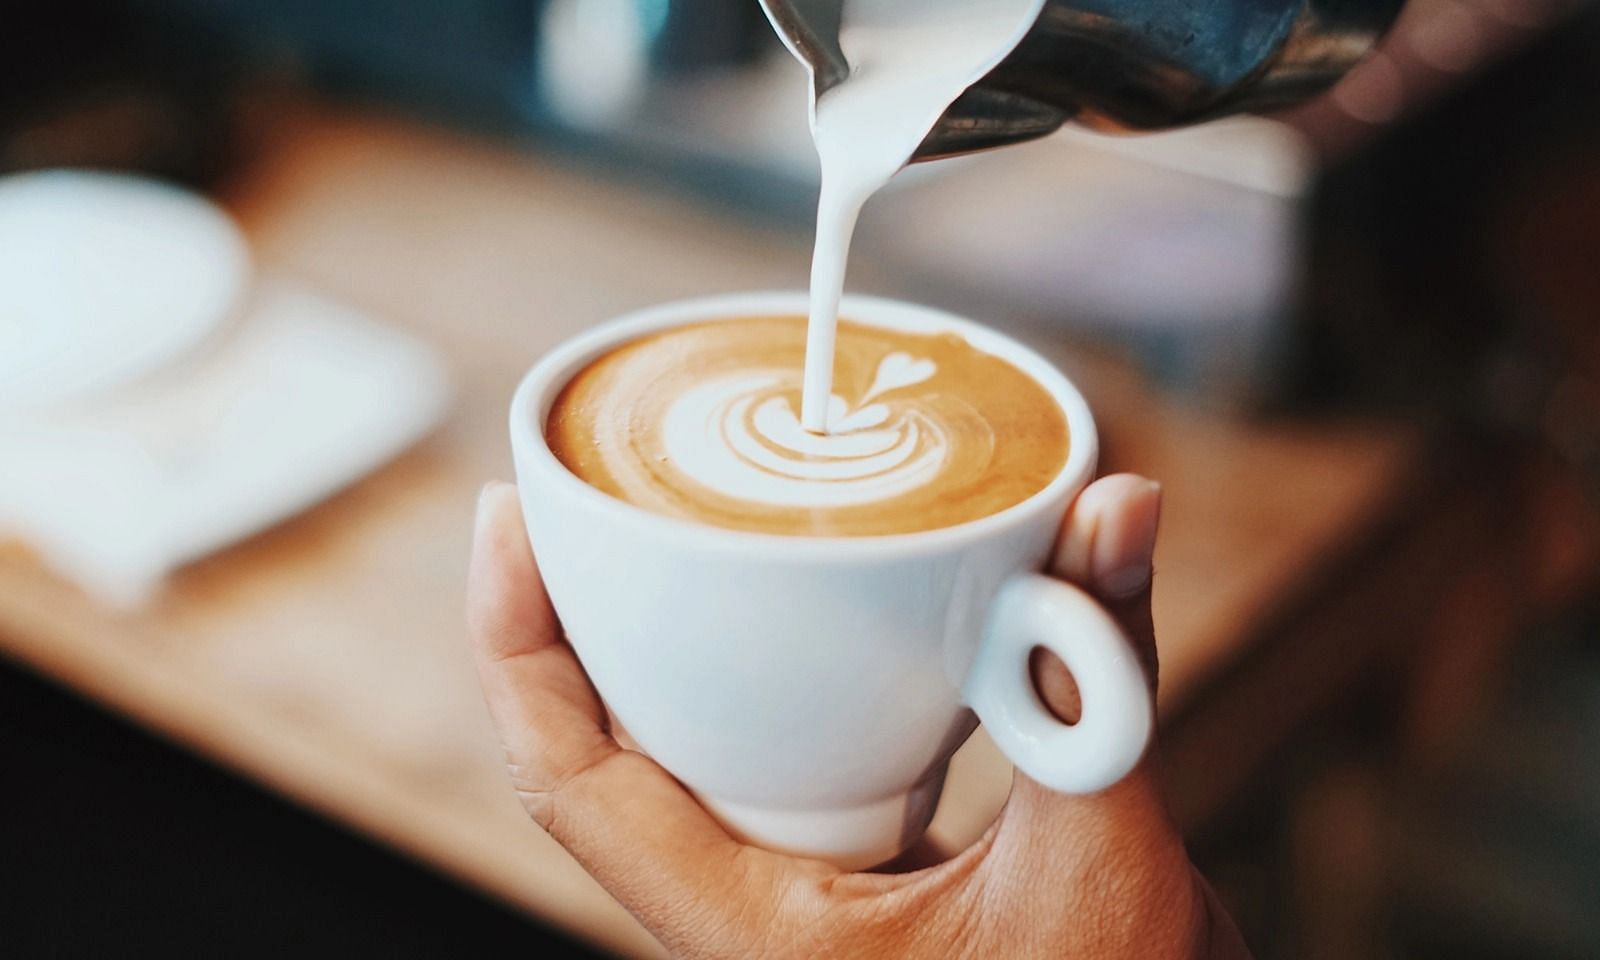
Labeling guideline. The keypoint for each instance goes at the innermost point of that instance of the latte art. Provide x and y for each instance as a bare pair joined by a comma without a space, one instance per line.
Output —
741,436
704,422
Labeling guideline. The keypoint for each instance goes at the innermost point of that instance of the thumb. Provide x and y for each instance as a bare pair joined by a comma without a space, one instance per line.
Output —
1115,861
1106,546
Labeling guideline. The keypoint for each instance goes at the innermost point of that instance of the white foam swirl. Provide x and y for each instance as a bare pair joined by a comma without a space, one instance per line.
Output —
740,436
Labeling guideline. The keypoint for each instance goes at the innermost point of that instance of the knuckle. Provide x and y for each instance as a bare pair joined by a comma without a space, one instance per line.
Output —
541,786
533,792
541,808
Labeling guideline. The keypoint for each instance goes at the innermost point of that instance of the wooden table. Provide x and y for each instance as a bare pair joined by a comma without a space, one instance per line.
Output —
325,658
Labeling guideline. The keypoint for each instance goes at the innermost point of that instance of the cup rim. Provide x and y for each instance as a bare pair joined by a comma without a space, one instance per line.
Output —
530,408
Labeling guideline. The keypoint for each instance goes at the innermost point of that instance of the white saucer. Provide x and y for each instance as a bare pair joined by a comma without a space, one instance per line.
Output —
299,399
105,278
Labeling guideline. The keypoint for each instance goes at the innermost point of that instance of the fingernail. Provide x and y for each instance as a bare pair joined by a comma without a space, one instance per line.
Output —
1125,543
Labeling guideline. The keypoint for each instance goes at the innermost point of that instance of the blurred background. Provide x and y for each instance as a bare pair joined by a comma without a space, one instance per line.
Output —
1358,342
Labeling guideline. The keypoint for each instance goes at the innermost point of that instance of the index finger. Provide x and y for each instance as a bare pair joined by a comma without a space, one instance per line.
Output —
623,817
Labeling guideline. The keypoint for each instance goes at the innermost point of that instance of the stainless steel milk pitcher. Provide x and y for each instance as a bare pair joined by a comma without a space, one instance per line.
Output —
1125,64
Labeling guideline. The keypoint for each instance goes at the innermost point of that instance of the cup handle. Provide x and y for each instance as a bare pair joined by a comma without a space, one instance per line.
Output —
1030,611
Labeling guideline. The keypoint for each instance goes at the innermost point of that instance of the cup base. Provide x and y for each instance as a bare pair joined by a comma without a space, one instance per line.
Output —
852,838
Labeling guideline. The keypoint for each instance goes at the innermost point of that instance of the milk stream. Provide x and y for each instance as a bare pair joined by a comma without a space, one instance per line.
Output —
910,59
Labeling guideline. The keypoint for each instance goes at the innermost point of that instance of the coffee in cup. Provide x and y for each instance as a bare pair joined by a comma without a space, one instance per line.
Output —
702,422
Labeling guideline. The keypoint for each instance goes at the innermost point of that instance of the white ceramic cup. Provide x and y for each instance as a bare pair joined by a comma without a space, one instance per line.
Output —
810,691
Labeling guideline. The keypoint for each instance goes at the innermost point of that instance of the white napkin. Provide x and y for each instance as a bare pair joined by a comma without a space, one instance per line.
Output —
299,398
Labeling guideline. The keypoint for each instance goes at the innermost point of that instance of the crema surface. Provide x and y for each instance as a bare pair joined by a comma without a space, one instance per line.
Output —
702,422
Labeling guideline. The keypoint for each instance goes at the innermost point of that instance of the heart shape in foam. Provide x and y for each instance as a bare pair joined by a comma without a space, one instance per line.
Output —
899,370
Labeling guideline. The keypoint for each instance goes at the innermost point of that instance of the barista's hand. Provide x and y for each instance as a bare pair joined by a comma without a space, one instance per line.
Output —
1102,876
